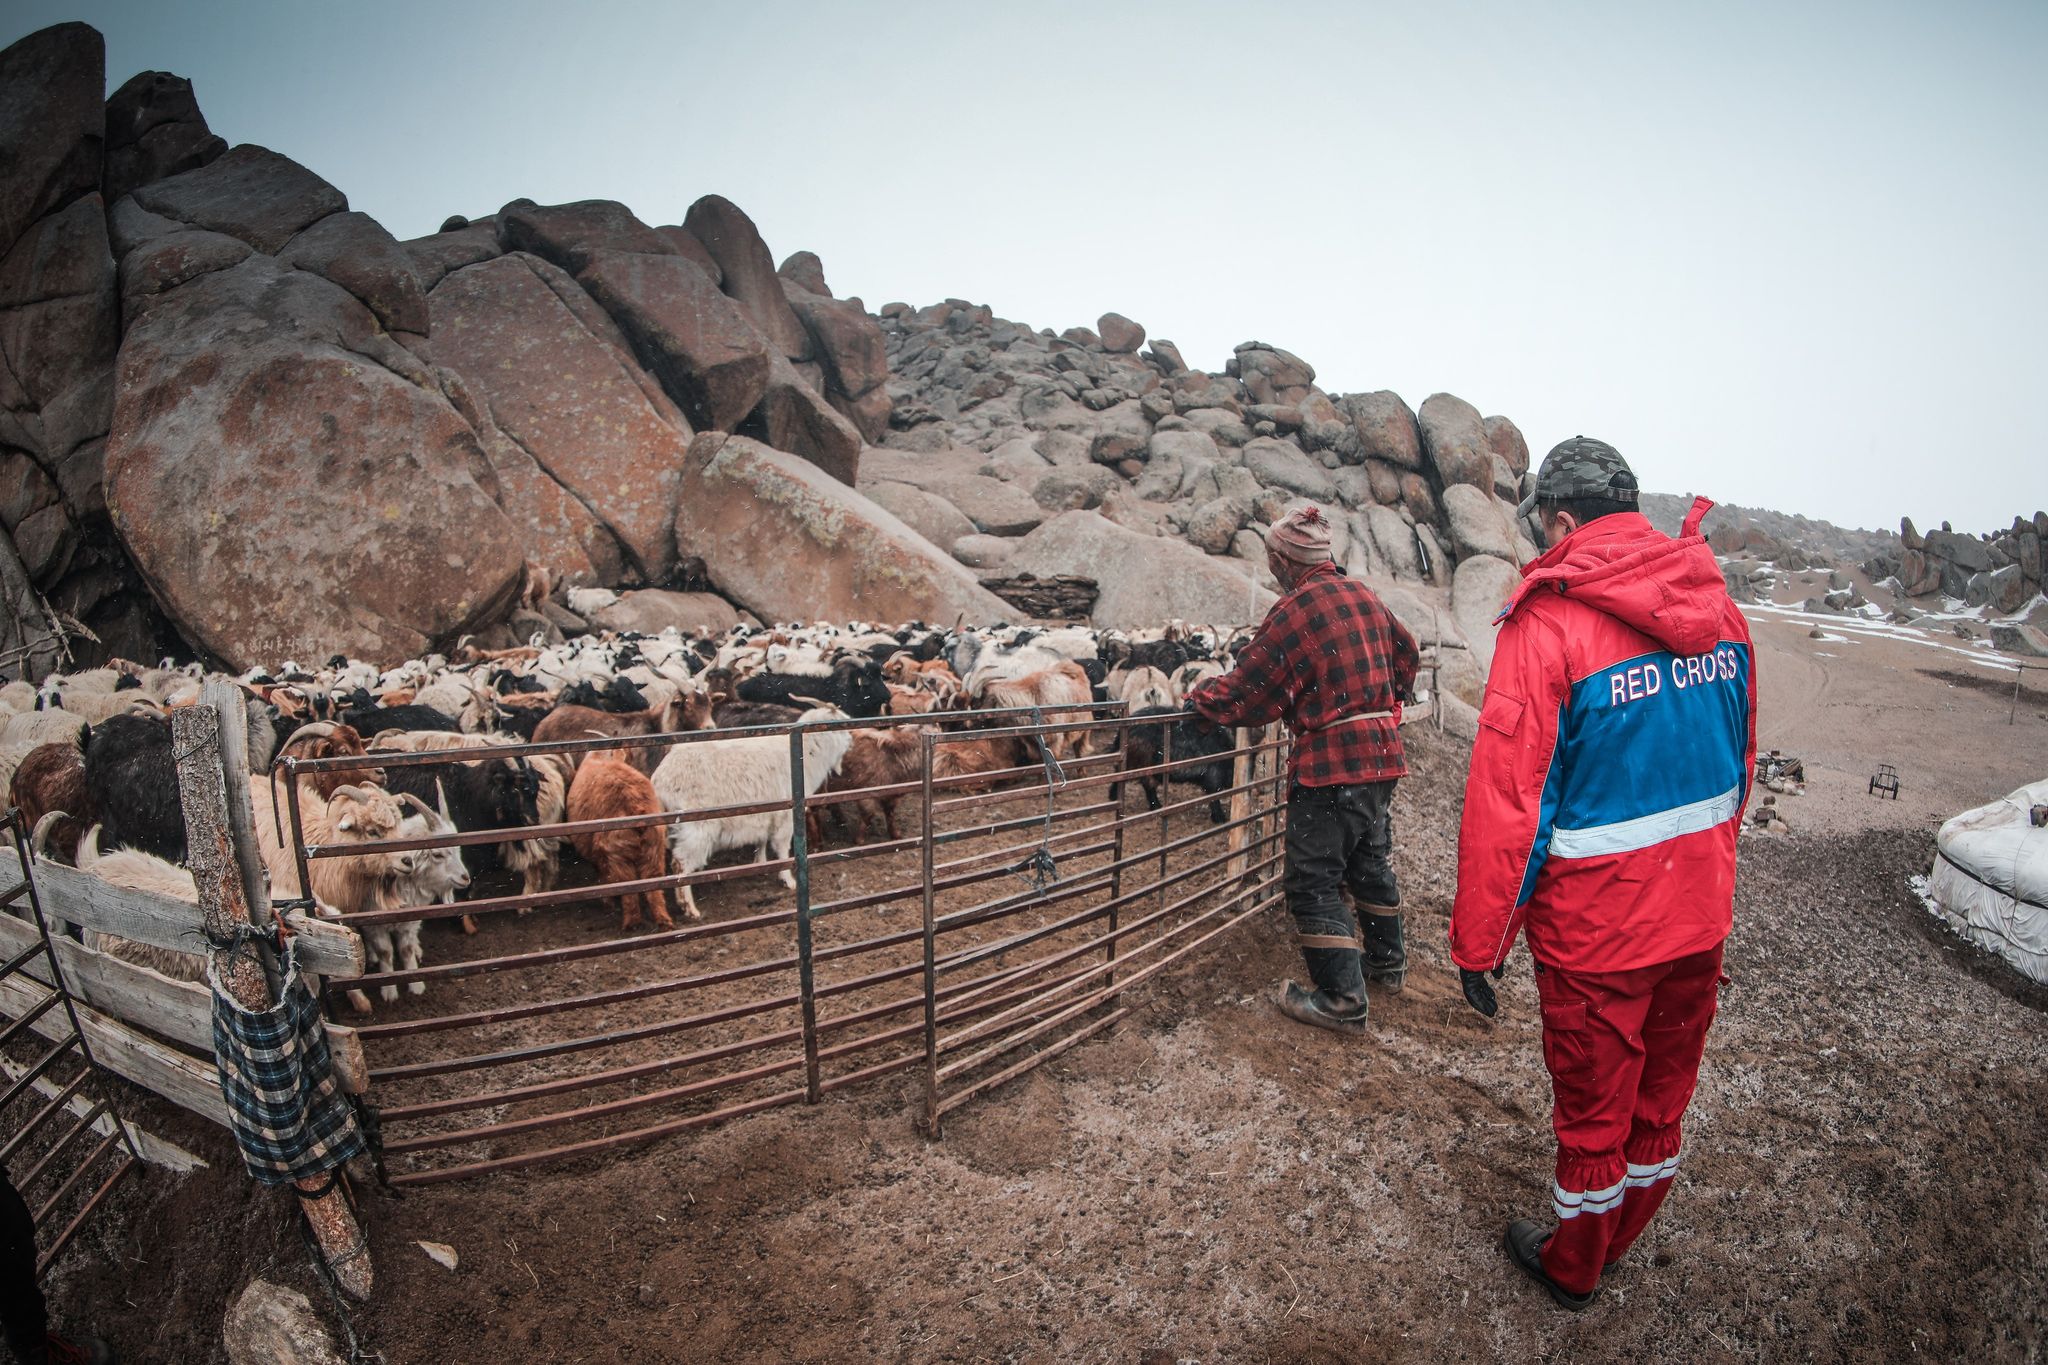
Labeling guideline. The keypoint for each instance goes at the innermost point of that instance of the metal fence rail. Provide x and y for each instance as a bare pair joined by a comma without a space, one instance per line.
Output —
1028,898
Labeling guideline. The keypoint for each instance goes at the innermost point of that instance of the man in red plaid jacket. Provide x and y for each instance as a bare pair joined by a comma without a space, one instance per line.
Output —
1334,663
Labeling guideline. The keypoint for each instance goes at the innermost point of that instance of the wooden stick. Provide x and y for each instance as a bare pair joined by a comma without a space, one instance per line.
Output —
218,870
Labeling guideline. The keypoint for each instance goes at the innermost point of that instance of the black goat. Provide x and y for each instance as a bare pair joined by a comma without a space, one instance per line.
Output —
495,793
618,696
742,715
371,721
1145,747
855,686
133,780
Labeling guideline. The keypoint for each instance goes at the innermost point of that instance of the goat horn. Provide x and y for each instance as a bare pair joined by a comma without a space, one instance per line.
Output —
408,799
41,834
809,702
441,797
319,729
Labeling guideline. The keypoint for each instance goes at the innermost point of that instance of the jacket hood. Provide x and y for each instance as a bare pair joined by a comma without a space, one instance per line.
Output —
1670,590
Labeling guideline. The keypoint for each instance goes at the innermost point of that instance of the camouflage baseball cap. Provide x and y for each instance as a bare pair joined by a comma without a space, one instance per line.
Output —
1581,468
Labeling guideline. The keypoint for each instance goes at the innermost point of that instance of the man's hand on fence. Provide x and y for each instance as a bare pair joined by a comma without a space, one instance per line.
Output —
1478,993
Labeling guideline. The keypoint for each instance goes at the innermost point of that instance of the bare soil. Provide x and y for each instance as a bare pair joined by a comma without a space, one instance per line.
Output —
1863,1180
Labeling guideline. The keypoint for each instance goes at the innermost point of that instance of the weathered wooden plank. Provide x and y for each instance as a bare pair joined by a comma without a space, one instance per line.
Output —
148,1145
323,946
181,1011
185,1081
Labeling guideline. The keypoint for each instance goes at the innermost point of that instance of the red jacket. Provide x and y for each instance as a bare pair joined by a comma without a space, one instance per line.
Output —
1614,755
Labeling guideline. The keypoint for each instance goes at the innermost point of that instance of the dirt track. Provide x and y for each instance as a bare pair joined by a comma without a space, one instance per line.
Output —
1863,1173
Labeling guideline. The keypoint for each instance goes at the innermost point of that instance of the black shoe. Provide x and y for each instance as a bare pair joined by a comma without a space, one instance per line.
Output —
1525,1241
1319,1010
1385,956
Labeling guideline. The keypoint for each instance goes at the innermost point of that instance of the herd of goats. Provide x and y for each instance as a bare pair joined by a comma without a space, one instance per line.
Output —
88,759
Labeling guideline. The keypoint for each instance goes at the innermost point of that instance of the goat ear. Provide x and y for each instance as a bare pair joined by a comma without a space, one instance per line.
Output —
345,822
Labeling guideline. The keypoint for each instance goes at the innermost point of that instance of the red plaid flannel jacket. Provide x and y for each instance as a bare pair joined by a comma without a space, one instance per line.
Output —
1327,650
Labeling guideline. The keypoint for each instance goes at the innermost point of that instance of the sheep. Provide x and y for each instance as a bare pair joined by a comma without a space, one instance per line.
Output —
51,780
136,871
1064,685
17,697
742,772
44,727
12,755
607,786
876,758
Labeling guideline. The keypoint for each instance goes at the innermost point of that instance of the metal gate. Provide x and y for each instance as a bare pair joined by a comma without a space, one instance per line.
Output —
64,1148
1012,913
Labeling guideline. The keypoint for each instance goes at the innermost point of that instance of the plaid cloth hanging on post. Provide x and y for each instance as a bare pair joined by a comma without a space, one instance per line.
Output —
291,1119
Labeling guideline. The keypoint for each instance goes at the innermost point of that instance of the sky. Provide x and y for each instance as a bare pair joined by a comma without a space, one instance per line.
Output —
1788,256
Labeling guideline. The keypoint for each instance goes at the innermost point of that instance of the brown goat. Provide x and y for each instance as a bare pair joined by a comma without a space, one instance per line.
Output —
911,701
968,757
691,711
52,778
877,758
330,739
607,786
1063,684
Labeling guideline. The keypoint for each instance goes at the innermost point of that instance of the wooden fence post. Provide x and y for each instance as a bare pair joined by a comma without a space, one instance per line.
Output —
222,867
1240,804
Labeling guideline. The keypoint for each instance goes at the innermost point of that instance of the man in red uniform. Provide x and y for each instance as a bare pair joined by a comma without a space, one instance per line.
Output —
1332,660
1613,760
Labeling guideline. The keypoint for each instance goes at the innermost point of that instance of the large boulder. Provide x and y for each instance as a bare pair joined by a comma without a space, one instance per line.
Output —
788,542
750,279
1282,464
709,358
928,514
2020,639
435,258
59,306
804,270
1393,541
602,447
1271,375
154,130
1454,441
291,483
1074,487
1386,428
1505,439
1478,588
1120,336
571,235
249,192
846,341
1479,523
52,123
996,508
649,611
1145,580
795,417
354,251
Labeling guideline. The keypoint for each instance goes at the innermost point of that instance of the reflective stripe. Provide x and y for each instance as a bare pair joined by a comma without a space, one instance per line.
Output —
1645,831
1639,1176
1572,1203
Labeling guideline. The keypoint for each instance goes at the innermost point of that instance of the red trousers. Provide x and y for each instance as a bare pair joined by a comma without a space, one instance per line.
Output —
1623,1050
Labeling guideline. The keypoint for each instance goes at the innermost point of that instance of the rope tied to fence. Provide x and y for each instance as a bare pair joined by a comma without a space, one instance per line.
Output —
238,939
1039,869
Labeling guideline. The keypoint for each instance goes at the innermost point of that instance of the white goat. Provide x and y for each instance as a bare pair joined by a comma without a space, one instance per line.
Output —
742,772
437,874
1139,688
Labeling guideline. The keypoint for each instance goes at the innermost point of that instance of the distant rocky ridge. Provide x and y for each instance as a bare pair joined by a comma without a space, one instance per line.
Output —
1793,541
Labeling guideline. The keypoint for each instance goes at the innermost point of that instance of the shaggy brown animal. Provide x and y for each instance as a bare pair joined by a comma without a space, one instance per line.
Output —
1053,690
690,712
607,786
970,757
52,778
877,758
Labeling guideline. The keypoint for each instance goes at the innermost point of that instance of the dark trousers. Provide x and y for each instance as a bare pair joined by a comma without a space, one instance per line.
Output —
1339,837
23,1318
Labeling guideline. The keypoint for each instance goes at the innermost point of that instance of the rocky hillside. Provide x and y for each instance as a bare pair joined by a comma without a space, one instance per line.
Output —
1789,539
241,420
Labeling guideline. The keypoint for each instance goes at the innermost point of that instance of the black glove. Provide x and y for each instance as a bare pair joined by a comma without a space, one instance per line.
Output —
1478,994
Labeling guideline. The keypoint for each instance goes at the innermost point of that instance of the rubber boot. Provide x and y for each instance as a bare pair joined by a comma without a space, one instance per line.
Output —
1386,955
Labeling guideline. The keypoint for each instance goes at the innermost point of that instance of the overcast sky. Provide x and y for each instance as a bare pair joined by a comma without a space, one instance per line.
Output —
1787,255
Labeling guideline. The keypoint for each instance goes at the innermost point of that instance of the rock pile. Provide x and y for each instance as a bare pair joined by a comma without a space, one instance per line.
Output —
2002,572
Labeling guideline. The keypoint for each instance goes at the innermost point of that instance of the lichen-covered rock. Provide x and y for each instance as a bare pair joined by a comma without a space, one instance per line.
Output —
258,402
709,358
1144,579
1454,441
249,192
1120,336
749,271
354,251
1281,464
154,130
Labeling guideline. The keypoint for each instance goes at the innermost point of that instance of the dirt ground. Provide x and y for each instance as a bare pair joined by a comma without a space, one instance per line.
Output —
1863,1173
